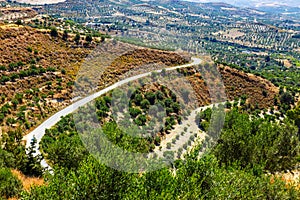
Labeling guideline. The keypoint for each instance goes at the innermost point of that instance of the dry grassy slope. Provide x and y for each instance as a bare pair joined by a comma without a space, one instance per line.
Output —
47,52
238,83
54,52
15,13
141,58
50,52
112,61
145,56
200,89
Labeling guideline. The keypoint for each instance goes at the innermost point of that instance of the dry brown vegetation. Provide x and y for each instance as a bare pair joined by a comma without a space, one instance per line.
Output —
50,58
15,13
113,61
260,92
139,58
27,182
32,98
290,178
50,51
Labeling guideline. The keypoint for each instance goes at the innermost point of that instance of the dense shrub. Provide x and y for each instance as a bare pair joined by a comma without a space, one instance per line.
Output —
10,186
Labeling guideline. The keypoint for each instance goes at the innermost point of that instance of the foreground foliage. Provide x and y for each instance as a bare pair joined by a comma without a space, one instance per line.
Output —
258,142
191,179
234,169
10,186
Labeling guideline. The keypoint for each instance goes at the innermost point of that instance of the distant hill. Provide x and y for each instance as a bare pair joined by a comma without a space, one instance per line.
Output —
255,3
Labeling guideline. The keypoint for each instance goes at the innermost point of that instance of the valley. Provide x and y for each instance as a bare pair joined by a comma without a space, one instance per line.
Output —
148,100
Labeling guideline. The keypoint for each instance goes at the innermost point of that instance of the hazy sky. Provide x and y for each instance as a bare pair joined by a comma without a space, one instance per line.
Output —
295,3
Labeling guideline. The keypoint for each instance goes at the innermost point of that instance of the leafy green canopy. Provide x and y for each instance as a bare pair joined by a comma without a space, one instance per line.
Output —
232,170
256,141
10,186
191,179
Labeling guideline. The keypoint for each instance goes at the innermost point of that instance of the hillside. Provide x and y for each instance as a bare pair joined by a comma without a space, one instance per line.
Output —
38,71
260,92
256,91
39,67
15,13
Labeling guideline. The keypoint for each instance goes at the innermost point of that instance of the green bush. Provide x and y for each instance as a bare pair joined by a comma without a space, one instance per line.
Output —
65,35
140,120
29,49
10,186
63,71
53,32
89,38
192,137
259,142
185,146
157,140
176,107
169,145
134,112
150,96
77,38
4,79
145,104
137,99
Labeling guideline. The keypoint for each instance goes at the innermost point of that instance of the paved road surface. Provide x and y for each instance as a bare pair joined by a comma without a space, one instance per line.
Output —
39,132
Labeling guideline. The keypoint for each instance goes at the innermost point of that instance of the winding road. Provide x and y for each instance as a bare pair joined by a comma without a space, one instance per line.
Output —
40,131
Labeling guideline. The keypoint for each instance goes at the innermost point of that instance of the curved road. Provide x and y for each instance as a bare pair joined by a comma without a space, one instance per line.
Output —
39,132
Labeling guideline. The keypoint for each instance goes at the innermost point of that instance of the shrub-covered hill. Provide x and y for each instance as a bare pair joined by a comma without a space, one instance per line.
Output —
38,69
260,92
254,91
16,13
